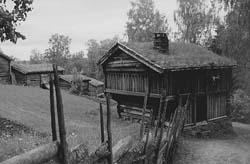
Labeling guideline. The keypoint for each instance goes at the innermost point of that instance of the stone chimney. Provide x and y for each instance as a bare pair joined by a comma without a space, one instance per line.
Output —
161,42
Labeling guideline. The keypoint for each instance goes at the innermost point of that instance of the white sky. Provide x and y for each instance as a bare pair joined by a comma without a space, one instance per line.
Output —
81,20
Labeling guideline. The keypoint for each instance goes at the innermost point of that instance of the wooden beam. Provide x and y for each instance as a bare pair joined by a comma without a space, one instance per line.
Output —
39,155
130,93
52,109
62,131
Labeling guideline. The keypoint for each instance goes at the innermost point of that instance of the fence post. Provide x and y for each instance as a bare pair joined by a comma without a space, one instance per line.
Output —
52,109
110,158
62,131
158,144
158,118
102,123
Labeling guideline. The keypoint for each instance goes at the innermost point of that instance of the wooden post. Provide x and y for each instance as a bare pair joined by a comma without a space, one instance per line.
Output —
62,131
158,144
145,151
144,108
110,158
102,123
158,118
52,109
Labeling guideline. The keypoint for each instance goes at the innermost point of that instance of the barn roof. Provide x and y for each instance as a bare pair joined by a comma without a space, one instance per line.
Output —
5,56
69,78
35,68
181,56
92,81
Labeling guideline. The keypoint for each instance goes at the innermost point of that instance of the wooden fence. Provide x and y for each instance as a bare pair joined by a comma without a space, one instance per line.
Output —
158,142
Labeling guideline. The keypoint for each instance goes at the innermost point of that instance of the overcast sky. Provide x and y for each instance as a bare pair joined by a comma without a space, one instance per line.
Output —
81,20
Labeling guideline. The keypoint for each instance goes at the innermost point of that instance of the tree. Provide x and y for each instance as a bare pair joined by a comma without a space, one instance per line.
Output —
194,22
234,37
36,57
144,20
13,12
77,61
58,51
95,52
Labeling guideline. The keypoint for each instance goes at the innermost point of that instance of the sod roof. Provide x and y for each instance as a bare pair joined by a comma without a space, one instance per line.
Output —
69,78
35,68
181,56
92,81
5,56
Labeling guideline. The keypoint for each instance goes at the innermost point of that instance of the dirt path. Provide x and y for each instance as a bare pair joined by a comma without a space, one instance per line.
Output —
231,150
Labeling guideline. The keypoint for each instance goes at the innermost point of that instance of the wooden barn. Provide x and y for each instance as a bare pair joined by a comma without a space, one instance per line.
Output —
5,70
33,74
135,70
66,81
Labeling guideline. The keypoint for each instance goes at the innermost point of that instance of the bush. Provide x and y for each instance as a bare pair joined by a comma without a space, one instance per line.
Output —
240,106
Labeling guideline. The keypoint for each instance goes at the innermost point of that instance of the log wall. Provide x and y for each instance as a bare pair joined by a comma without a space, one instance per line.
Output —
4,70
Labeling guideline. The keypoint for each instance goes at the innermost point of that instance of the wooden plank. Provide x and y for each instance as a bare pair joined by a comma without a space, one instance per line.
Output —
60,114
110,158
38,155
52,109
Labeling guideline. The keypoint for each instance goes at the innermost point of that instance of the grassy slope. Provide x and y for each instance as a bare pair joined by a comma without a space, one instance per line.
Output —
30,106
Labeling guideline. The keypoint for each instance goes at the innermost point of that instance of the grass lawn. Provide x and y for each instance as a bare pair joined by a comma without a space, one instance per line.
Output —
231,149
30,107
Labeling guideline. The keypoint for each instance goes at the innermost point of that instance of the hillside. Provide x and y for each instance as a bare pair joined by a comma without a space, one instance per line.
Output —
30,106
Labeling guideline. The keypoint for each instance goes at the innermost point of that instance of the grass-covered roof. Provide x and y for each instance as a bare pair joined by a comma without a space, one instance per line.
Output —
35,68
181,56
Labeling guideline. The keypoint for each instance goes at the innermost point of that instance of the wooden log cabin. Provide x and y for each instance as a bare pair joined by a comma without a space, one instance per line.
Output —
33,74
66,81
5,76
180,69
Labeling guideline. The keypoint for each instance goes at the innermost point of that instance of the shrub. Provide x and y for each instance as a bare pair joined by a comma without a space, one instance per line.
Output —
240,106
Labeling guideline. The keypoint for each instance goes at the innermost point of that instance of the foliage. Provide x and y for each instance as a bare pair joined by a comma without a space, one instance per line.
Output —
58,51
78,61
95,52
233,37
13,12
36,57
240,104
194,21
144,20
77,86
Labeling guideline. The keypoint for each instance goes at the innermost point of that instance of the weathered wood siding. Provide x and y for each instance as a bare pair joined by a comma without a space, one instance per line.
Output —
95,90
19,78
216,104
4,70
64,84
33,79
